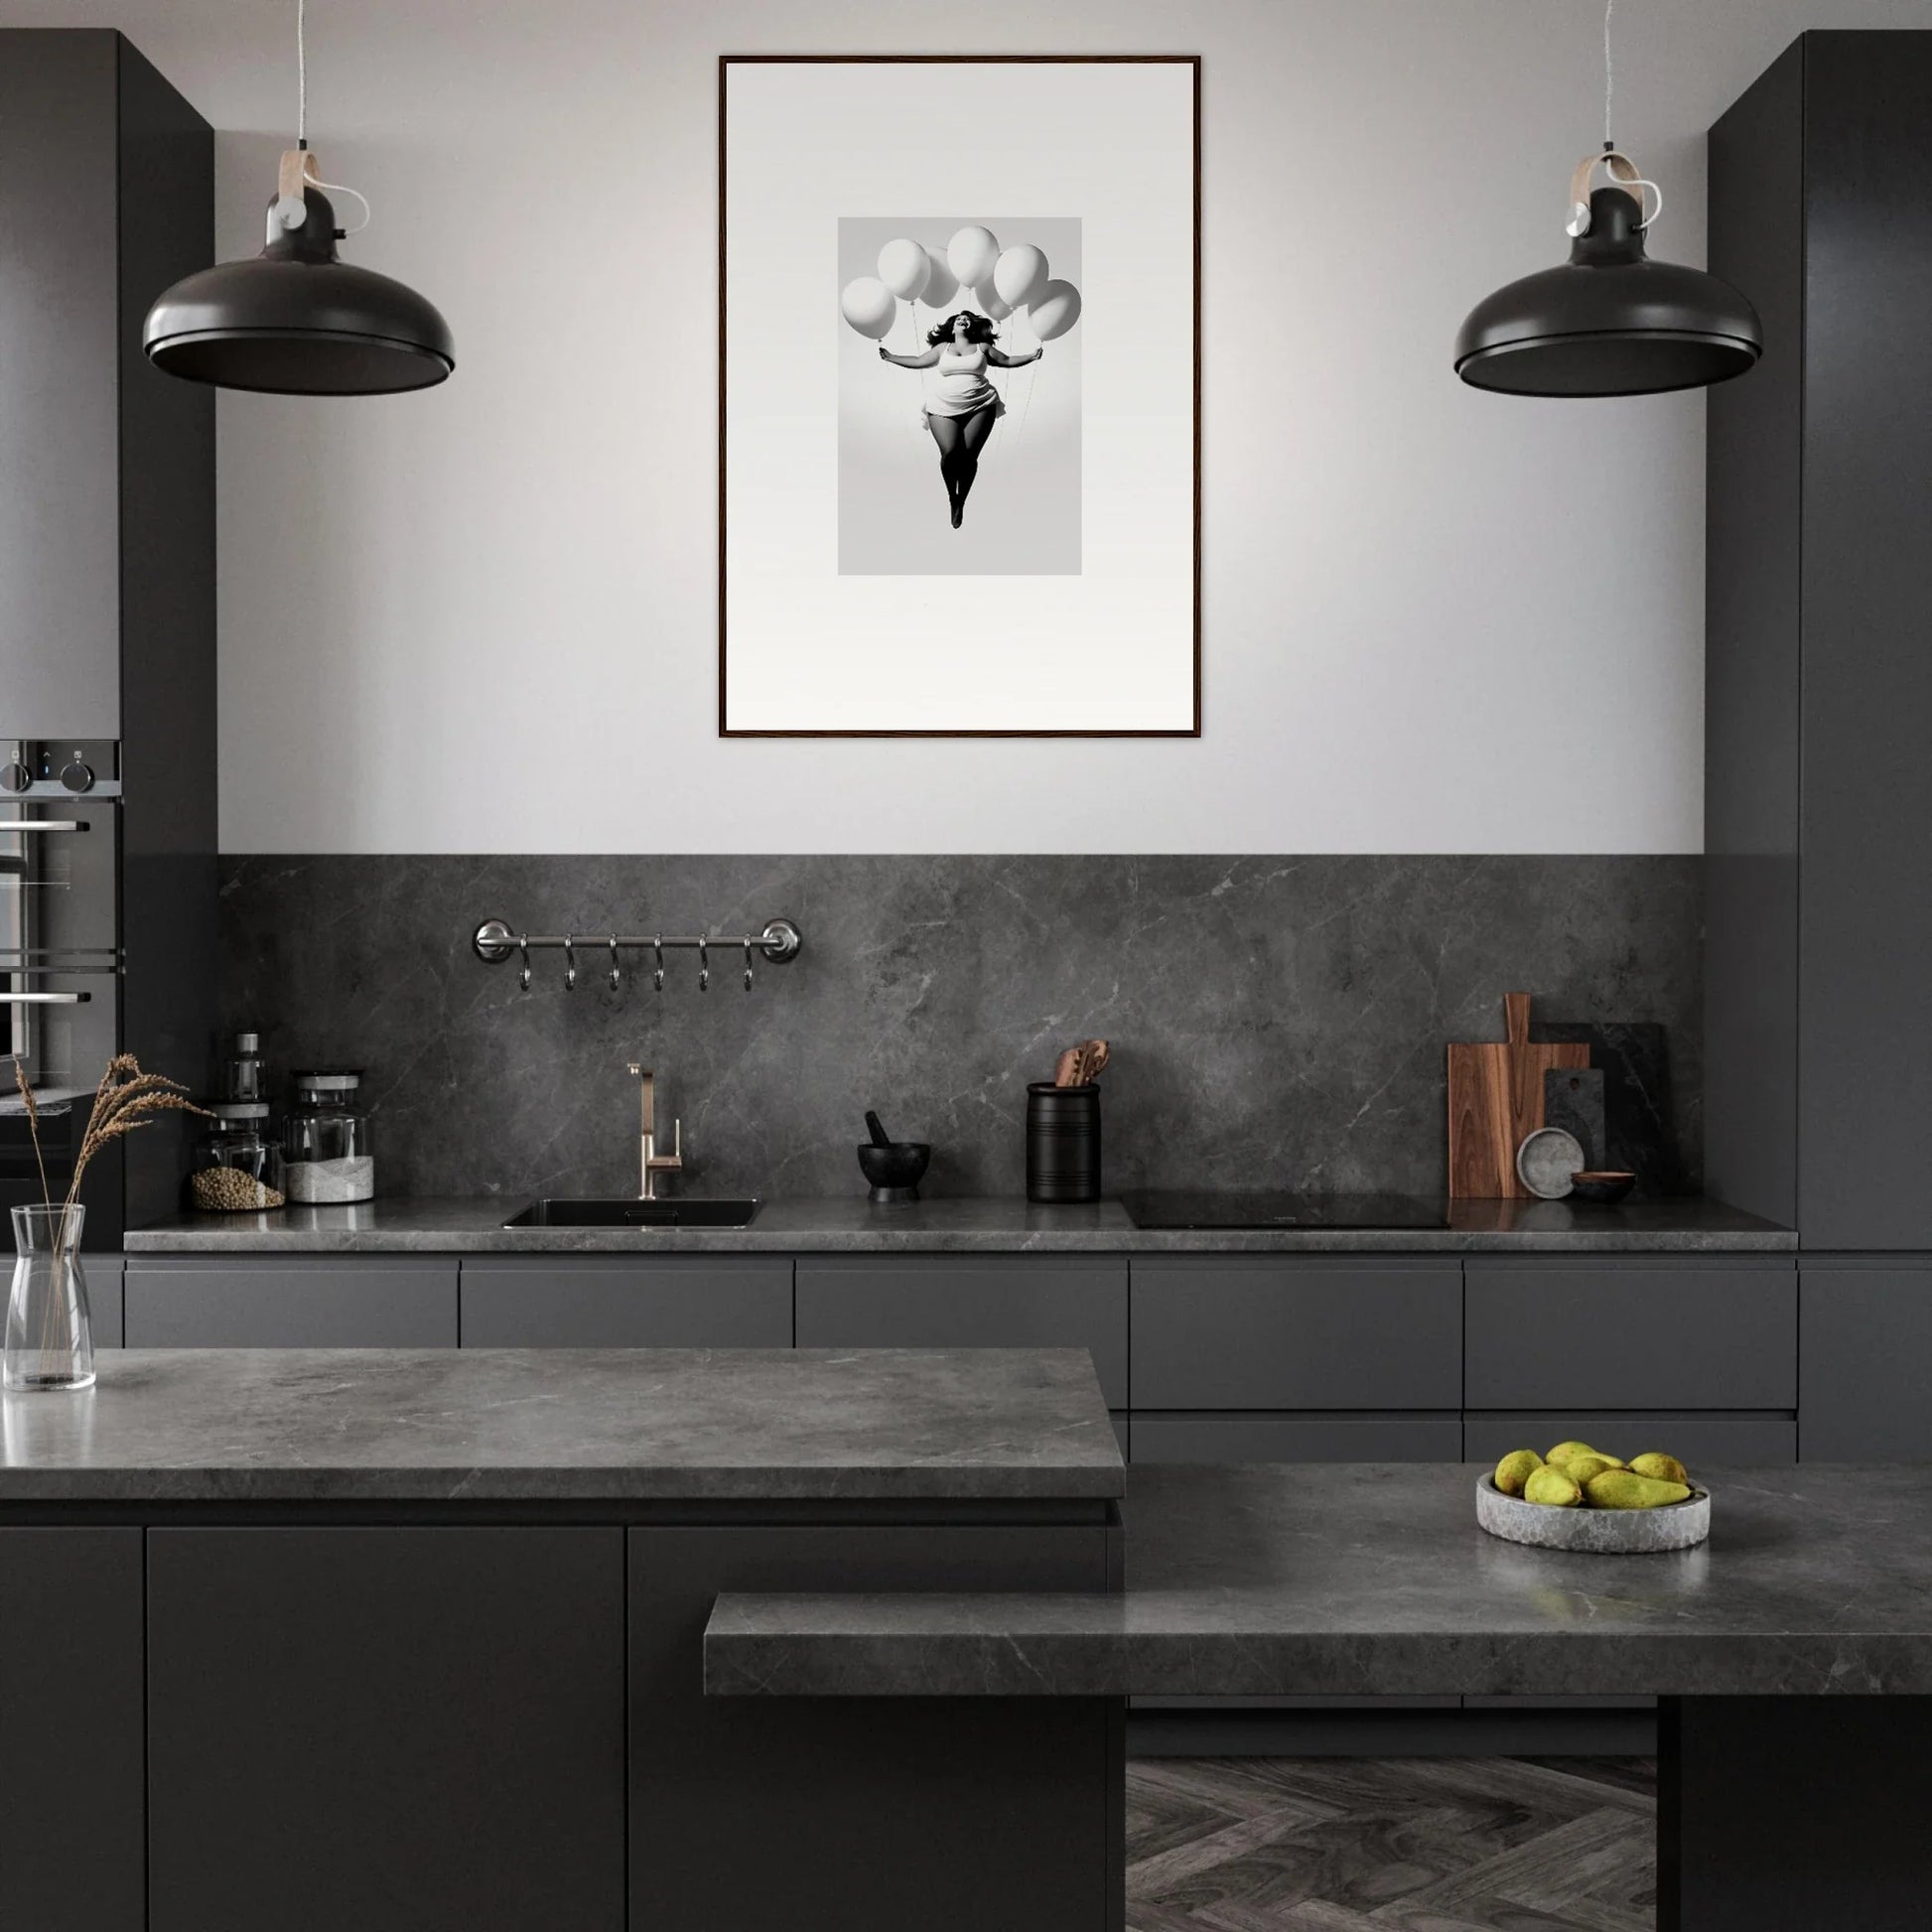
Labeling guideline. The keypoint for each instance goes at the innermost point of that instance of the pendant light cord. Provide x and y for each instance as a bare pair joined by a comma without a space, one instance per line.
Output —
1609,74
301,73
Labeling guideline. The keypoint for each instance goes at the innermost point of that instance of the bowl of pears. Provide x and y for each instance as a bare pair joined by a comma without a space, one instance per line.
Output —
1582,1498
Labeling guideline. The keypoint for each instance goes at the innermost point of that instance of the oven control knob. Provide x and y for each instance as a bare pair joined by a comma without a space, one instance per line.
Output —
15,777
77,776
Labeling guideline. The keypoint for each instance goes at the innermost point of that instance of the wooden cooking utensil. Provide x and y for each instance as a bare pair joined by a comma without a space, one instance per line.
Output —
1495,1099
1066,1069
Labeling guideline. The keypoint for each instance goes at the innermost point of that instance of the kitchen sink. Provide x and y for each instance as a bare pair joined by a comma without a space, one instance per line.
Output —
633,1213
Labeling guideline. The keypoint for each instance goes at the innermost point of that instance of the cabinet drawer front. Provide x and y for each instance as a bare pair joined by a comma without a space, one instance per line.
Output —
1866,1386
345,1305
1298,1438
945,1302
661,1302
1726,1441
1631,1336
1236,1332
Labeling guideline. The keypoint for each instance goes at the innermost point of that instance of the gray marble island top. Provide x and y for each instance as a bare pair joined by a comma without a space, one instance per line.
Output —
964,1225
565,1426
1374,1579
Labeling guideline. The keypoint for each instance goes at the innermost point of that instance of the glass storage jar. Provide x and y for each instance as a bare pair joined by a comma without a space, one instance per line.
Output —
236,1165
326,1139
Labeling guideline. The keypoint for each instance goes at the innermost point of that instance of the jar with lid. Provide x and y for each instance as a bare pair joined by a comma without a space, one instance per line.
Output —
236,1164
241,1068
326,1139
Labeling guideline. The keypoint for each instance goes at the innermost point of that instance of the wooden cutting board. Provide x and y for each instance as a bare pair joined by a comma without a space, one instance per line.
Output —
1495,1099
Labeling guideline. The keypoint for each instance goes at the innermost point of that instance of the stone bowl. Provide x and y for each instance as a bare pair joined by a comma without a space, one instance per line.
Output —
1599,1532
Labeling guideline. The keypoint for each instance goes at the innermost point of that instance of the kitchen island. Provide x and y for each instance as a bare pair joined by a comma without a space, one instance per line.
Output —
1792,1652
413,1639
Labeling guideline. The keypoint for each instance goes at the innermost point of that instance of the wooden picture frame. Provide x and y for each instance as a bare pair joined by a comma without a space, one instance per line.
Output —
1065,598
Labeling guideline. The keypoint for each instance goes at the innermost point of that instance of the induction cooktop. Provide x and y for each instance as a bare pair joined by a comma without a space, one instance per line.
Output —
1184,1209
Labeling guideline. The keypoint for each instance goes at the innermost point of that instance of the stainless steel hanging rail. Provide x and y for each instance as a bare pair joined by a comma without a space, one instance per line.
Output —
497,940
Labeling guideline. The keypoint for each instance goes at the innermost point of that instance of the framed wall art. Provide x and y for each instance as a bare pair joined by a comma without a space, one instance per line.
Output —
959,396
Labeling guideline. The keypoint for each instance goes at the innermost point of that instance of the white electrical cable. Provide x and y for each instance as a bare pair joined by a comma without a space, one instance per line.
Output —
338,188
1610,71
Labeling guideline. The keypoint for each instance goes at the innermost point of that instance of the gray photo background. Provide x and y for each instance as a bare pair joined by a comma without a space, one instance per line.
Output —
1024,515
1276,1021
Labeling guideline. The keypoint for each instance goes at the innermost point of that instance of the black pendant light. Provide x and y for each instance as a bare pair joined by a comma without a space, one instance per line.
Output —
1609,322
296,319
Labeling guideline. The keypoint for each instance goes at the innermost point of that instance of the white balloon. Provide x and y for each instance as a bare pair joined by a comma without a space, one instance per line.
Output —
1055,310
970,254
868,305
988,297
942,284
905,267
1019,274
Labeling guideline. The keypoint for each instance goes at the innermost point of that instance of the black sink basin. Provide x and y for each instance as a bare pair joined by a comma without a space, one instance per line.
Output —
622,1213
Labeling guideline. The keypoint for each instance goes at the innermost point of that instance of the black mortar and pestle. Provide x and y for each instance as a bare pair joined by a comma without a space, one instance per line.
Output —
893,1166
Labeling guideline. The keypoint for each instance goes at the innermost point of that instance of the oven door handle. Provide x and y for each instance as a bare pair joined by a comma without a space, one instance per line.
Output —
43,825
45,999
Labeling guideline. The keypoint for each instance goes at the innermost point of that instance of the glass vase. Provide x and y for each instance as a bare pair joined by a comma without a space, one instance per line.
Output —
49,1334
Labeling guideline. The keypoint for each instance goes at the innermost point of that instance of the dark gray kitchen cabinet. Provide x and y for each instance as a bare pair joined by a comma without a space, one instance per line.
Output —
956,1302
72,1852
397,1729
1818,691
103,1273
1170,1437
1735,1440
291,1302
1630,1332
1865,1349
1268,1332
615,1302
963,1804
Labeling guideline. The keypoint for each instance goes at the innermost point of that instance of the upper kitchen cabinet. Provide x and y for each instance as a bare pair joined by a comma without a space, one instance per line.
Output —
1818,807
107,466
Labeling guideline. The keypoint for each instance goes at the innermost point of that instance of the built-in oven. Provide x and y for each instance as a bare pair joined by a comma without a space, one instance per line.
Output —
60,951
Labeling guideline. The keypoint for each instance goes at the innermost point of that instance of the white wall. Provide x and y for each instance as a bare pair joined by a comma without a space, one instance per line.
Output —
483,618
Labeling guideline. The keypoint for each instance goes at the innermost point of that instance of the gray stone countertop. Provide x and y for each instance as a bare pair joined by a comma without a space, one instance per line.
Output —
962,1226
1374,1579
558,1425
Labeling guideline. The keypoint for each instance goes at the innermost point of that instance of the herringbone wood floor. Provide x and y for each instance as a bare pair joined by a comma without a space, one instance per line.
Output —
1391,1845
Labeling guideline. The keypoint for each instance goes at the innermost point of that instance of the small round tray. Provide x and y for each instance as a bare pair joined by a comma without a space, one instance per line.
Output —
1599,1532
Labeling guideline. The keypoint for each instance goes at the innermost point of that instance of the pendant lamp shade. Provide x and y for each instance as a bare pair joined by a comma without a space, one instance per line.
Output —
1609,322
299,321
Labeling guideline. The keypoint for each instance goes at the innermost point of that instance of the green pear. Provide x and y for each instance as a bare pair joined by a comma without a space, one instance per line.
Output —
1565,1451
1664,1468
1621,1489
1515,1469
1580,1468
1550,1485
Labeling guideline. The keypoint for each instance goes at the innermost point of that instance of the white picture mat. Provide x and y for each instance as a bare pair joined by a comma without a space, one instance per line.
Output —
1112,649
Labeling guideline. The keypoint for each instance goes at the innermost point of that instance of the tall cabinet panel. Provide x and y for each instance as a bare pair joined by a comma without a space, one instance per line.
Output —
1819,682
59,416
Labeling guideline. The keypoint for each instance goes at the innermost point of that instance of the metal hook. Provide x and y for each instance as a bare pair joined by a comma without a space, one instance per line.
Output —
523,947
748,965
657,978
703,965
616,971
570,962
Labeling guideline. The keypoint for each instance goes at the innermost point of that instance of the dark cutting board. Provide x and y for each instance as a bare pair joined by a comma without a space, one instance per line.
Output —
1495,1100
1639,1124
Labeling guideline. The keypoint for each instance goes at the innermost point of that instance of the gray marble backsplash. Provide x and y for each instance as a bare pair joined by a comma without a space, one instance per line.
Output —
1276,1021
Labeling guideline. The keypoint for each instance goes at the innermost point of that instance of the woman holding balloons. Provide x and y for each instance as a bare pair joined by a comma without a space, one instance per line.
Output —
960,415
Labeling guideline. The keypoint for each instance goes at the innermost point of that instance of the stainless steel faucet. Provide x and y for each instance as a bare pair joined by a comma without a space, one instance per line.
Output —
651,1163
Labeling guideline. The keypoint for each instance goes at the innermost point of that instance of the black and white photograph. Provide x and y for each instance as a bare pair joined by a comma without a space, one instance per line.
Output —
959,428
983,405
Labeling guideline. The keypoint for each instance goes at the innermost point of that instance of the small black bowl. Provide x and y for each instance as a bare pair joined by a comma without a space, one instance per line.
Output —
894,1170
1604,1185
